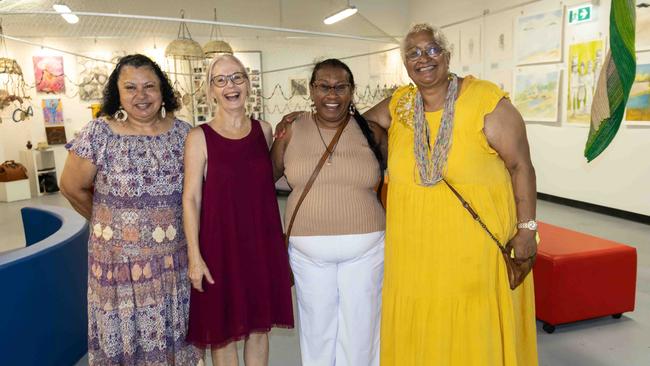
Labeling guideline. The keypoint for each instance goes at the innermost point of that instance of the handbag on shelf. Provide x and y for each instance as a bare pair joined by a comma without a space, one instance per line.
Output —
518,269
11,171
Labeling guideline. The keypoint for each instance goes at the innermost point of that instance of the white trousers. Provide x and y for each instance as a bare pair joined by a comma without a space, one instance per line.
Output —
338,283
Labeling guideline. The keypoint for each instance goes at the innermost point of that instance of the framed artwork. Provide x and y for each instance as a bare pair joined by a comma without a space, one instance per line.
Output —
642,25
498,37
52,111
55,135
638,104
585,61
502,78
48,74
93,76
470,44
299,87
539,38
453,38
536,93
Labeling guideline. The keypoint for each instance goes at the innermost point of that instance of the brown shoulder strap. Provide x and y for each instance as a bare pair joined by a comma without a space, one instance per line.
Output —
314,174
475,215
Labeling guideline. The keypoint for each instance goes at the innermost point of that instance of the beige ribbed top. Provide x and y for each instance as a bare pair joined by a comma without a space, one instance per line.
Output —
342,200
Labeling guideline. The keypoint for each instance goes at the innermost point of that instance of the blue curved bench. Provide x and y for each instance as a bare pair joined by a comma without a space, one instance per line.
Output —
43,307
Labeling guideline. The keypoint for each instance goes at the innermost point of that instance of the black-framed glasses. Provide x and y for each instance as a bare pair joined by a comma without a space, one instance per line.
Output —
415,53
237,78
339,89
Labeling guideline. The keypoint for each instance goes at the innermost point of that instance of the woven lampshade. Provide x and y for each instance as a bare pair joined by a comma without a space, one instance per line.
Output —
215,47
184,48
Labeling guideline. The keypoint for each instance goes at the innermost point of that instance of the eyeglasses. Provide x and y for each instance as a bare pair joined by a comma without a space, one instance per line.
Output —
339,89
416,52
237,78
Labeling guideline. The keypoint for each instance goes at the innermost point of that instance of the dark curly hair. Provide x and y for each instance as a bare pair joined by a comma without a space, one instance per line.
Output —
363,124
111,100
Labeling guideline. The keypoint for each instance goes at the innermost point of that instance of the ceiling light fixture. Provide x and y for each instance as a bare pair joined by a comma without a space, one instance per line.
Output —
340,15
65,12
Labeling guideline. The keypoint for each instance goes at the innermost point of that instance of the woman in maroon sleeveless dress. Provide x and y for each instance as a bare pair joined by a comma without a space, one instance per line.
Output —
238,264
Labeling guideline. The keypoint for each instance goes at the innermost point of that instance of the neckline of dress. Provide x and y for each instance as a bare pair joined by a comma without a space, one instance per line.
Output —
166,132
467,82
207,125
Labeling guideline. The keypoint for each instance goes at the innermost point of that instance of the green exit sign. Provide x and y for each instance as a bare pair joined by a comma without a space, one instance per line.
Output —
581,14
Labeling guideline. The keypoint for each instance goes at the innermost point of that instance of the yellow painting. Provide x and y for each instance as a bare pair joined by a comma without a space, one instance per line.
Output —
638,106
585,61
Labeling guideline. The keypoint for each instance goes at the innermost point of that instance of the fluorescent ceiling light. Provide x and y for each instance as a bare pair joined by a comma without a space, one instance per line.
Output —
65,13
350,10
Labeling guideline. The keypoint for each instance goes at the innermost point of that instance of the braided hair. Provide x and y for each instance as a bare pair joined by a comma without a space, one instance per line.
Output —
363,124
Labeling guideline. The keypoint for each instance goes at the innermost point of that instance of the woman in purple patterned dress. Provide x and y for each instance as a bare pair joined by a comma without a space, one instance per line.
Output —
124,173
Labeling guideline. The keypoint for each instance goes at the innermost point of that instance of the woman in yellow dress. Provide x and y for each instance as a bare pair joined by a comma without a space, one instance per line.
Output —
446,295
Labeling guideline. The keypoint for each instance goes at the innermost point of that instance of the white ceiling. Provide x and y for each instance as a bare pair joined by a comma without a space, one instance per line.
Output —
376,18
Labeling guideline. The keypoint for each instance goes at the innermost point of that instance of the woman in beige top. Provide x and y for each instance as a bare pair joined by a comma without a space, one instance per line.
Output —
336,247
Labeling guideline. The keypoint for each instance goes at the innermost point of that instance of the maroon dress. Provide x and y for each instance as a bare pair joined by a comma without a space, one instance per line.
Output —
241,242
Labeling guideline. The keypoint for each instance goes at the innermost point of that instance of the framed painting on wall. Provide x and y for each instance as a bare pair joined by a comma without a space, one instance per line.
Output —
453,38
48,74
642,25
470,44
55,135
52,111
638,104
539,38
536,93
584,63
93,76
498,37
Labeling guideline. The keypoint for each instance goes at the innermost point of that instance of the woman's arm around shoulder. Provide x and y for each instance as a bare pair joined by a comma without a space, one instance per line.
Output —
277,152
379,114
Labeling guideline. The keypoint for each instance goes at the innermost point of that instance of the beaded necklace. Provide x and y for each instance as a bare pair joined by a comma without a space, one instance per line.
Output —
431,163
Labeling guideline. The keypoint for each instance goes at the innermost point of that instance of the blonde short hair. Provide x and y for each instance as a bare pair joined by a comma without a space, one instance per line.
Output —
210,74
435,32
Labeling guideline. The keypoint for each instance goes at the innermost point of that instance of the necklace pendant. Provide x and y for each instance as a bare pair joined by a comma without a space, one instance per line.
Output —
329,160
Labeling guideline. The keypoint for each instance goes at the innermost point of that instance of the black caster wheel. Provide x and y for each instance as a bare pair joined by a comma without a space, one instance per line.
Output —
548,328
617,316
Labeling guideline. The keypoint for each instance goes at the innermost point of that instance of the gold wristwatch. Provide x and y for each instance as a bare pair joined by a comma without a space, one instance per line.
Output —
530,225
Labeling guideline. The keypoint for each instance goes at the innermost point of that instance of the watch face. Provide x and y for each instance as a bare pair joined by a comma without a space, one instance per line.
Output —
532,225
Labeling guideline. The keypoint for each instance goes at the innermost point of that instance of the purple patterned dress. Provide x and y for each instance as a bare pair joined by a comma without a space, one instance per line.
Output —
138,290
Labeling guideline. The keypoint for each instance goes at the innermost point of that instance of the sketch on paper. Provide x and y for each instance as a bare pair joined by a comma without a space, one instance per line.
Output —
48,74
299,87
638,105
585,61
539,38
502,78
498,38
93,76
536,94
470,44
643,26
453,39
52,111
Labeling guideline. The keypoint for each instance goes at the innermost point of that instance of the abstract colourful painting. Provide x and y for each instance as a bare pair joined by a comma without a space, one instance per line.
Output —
536,94
48,74
539,38
584,63
638,105
52,111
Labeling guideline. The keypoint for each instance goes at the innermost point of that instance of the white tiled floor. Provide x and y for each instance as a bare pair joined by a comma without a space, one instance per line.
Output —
605,341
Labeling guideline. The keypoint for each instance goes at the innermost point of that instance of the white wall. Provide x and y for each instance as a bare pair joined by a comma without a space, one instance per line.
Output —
619,177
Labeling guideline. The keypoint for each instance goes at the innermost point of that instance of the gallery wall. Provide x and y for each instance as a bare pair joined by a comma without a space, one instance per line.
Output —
557,133
374,73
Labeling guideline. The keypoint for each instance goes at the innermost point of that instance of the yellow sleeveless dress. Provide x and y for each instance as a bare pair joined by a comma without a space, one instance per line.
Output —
446,298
